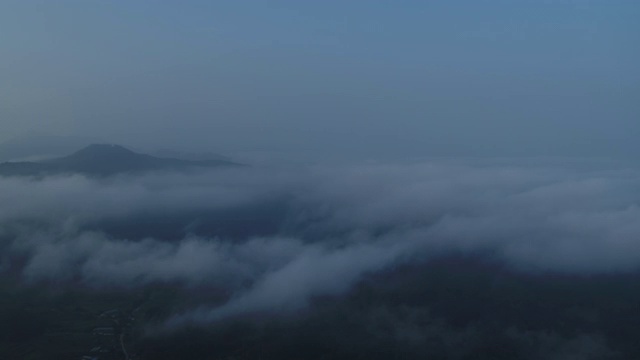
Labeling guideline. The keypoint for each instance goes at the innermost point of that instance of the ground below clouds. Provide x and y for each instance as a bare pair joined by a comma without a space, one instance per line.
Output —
447,259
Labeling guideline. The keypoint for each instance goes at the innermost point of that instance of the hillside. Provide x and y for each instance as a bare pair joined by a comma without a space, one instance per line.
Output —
105,160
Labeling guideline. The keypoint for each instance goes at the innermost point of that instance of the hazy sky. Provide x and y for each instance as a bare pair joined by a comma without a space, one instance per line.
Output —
364,78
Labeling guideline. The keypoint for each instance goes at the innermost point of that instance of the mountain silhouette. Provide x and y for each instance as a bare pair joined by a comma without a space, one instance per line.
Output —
105,160
37,146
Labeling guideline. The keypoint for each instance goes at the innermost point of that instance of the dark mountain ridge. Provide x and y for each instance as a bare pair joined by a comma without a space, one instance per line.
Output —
37,146
105,160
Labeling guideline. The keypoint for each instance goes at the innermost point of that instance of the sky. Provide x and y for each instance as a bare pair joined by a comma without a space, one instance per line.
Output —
327,78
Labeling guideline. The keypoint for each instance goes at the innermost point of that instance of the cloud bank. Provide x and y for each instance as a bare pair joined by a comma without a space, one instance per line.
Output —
338,225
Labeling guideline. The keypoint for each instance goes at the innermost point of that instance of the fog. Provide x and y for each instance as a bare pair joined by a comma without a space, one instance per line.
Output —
406,180
339,225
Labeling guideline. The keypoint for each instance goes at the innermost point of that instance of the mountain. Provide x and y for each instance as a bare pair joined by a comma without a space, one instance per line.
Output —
100,160
186,155
36,146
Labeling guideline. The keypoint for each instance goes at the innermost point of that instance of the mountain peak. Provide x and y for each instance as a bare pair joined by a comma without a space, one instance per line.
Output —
106,160
101,150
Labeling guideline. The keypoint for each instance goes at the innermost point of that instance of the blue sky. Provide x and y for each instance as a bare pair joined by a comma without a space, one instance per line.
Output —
359,78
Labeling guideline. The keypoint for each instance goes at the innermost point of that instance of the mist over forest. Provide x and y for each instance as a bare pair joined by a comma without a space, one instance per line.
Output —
272,180
452,259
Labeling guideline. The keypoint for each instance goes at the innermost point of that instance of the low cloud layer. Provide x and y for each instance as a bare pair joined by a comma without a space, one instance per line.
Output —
338,225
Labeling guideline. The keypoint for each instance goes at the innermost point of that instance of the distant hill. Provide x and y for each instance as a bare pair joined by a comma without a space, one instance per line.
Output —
35,146
100,160
186,155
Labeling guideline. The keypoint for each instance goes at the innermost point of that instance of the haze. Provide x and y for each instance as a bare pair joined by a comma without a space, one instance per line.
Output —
327,79
217,180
